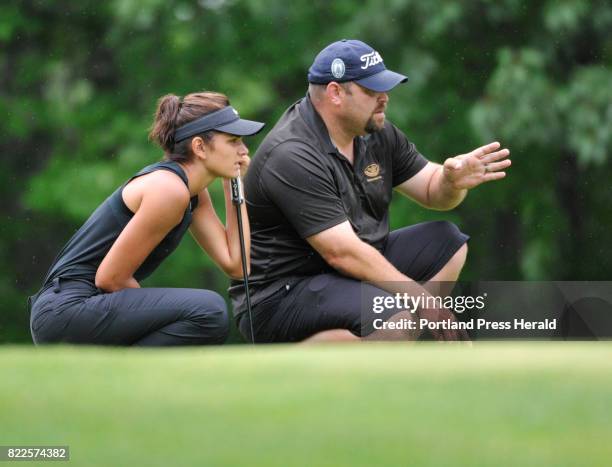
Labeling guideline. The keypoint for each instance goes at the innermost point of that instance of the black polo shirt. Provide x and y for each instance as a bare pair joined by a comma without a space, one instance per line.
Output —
298,185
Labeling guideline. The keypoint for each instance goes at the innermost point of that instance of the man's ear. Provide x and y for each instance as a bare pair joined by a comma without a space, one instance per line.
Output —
198,147
333,92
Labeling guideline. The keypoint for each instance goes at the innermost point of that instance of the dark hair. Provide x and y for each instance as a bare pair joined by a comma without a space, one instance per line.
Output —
173,112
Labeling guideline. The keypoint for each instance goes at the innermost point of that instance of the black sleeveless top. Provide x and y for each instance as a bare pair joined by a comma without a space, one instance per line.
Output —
81,256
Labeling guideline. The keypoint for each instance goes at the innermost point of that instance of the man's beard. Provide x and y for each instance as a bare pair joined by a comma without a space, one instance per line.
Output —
372,126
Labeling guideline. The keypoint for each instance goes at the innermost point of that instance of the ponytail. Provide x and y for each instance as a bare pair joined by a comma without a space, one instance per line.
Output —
164,125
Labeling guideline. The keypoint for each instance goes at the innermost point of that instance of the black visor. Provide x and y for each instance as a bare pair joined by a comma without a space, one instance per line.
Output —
225,120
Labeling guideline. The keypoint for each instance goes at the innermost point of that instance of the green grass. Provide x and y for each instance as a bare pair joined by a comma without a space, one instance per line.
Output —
359,405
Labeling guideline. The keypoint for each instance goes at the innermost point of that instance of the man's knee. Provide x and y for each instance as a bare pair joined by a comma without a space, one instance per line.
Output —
451,270
461,255
446,231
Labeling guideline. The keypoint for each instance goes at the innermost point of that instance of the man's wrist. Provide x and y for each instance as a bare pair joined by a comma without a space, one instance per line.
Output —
446,184
449,192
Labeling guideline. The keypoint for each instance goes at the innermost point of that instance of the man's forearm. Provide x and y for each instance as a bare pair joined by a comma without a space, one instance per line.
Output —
442,194
344,251
364,262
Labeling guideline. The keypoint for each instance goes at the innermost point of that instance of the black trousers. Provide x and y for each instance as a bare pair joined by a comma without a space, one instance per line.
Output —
75,311
306,306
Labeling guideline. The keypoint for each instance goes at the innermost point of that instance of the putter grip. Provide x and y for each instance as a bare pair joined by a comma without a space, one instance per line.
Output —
236,188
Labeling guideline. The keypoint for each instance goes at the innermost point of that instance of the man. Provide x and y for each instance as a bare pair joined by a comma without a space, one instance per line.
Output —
318,194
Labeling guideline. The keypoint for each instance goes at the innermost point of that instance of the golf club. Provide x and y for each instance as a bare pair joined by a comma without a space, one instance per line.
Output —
237,200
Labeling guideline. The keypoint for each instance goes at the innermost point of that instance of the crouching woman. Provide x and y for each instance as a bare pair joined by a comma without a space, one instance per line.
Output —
92,293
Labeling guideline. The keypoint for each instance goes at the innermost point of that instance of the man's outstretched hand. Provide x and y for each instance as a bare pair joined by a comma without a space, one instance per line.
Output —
484,164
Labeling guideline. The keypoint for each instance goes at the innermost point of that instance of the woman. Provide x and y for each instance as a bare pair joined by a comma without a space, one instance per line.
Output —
92,294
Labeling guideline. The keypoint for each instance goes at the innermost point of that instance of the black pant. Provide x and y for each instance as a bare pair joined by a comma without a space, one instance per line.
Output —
77,312
306,306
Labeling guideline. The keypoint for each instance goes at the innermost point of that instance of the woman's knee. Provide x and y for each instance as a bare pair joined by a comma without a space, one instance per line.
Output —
218,330
211,315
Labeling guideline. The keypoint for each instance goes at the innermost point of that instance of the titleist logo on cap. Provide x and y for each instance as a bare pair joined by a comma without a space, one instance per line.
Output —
371,59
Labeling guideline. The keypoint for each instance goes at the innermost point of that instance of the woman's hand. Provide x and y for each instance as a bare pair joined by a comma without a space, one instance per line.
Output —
245,161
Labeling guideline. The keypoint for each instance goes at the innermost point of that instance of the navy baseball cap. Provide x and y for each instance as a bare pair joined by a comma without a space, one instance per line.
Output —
353,60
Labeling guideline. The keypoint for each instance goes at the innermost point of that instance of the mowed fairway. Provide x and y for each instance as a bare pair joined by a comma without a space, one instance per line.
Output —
355,405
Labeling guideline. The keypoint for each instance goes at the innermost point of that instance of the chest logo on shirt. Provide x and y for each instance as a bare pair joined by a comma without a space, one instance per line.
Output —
372,171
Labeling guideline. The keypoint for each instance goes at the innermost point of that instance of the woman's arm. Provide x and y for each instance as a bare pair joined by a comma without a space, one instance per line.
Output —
161,208
222,243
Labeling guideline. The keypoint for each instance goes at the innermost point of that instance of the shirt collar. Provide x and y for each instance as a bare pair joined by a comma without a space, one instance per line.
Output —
314,121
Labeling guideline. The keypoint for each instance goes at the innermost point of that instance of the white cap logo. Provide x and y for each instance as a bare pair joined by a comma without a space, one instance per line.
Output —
338,68
371,59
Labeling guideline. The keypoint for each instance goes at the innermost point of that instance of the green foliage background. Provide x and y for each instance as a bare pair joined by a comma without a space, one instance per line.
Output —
79,82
